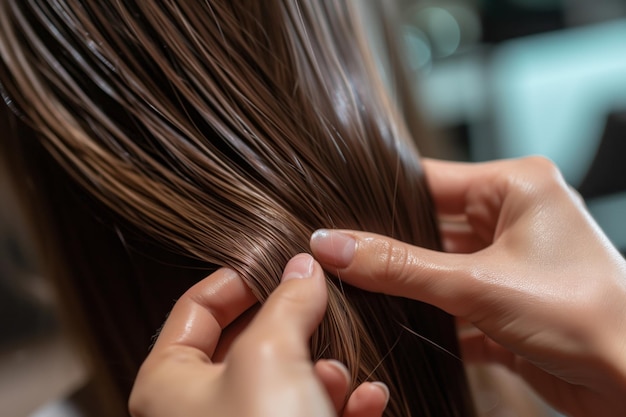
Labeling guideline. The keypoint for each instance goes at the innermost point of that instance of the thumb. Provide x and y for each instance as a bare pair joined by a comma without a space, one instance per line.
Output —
293,311
377,263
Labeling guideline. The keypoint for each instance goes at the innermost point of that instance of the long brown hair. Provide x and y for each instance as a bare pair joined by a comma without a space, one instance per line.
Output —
163,139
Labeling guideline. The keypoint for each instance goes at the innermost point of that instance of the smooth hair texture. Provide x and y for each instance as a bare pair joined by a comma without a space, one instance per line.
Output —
159,140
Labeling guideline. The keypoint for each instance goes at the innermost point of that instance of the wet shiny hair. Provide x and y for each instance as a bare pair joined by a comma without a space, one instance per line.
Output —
156,141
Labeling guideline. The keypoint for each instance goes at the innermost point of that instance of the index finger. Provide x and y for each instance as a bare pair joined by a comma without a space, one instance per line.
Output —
381,264
200,315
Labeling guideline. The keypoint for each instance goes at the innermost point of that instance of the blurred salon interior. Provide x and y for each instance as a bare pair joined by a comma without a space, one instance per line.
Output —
493,79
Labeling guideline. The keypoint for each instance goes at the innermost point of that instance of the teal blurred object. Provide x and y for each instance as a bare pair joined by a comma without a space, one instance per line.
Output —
548,94
551,95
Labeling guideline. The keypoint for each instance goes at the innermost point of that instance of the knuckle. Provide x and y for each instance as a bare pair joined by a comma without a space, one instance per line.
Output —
266,344
269,348
394,262
180,355
539,162
265,347
539,175
293,296
544,168
576,196
293,301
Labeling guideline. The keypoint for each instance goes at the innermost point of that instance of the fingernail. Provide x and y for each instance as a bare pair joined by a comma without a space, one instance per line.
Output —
333,248
340,367
385,389
299,267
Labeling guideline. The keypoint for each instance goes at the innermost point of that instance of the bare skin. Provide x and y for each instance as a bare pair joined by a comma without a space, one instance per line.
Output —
527,266
266,370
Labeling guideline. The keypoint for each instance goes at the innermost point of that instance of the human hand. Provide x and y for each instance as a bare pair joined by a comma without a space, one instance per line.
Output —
266,371
543,286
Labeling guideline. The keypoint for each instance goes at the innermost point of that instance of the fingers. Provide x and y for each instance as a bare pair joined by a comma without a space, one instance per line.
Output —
477,348
336,379
368,400
197,319
380,264
451,182
230,334
188,339
268,365
459,237
456,186
284,324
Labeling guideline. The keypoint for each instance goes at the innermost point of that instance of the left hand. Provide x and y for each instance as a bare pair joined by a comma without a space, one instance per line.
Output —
266,371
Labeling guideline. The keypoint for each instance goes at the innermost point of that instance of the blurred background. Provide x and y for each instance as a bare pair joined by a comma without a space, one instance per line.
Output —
496,78
509,78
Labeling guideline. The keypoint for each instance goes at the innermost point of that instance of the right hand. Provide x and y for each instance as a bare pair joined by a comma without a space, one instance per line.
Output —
543,286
